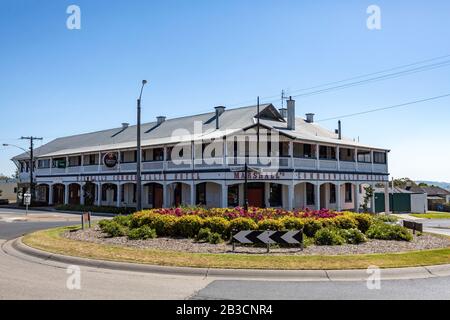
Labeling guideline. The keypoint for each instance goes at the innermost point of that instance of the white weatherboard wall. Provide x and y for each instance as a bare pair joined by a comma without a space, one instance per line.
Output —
419,203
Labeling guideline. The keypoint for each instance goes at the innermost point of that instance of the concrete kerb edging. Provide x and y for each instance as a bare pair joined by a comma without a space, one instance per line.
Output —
298,275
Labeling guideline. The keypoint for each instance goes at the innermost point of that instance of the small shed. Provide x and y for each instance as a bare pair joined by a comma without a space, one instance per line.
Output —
401,201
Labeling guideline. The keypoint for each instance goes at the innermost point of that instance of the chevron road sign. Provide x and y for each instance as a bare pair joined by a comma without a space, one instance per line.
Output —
269,237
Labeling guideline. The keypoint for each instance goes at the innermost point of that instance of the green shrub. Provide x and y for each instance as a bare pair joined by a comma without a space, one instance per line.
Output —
203,234
215,238
353,236
385,218
218,224
328,237
270,224
188,226
143,233
383,231
344,222
164,225
364,221
112,228
240,224
122,220
311,227
292,223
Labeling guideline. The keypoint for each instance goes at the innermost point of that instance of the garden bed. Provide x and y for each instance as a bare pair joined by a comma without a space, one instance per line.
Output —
422,242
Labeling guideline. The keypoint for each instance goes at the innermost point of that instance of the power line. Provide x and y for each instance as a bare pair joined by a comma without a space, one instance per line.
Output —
380,78
386,108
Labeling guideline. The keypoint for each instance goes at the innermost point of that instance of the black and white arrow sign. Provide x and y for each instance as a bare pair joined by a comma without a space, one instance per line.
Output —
269,237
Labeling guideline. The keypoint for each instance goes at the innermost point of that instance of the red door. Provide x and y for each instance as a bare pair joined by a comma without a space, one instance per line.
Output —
158,196
256,196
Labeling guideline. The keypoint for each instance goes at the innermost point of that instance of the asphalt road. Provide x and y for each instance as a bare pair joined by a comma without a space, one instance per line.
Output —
25,277
417,289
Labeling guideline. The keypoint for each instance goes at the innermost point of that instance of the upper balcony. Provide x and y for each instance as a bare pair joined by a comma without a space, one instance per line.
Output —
275,163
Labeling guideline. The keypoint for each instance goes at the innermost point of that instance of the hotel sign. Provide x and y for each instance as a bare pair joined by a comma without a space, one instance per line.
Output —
110,159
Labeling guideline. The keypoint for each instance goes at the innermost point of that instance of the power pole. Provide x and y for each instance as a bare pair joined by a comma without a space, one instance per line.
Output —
31,138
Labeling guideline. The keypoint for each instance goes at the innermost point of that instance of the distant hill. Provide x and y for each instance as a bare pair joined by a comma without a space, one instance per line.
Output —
445,185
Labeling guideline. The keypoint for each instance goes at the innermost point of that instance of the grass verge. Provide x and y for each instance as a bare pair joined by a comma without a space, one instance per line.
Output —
432,215
52,241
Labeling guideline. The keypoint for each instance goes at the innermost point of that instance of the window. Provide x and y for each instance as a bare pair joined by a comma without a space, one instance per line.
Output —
364,156
180,153
275,196
348,192
332,193
128,156
379,157
43,164
59,163
310,194
327,153
346,154
158,154
302,150
233,196
284,149
90,159
200,197
74,161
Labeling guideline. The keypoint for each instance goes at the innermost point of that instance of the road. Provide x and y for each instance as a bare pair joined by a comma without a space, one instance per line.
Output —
25,277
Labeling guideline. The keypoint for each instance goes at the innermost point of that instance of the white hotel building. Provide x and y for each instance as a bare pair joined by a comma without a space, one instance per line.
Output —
303,165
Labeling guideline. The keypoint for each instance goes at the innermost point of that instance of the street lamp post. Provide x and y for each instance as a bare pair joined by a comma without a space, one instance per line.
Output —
30,154
139,152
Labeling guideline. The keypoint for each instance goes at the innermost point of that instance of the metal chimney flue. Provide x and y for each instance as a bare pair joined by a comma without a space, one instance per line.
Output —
291,114
283,112
310,117
125,125
219,111
339,130
160,119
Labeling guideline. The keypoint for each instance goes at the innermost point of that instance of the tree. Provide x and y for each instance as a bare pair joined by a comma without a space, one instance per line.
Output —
369,193
404,182
423,184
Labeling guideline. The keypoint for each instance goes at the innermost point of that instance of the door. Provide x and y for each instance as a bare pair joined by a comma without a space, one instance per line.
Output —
157,196
177,195
256,195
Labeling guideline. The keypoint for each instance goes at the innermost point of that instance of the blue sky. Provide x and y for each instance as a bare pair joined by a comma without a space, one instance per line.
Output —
199,53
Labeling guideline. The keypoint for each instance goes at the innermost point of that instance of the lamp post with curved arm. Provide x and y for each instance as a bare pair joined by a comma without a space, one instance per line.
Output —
139,152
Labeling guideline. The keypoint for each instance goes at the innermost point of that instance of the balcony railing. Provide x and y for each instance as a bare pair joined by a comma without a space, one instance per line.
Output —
217,163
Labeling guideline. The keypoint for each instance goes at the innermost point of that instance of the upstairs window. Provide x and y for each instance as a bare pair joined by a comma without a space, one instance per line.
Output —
379,157
128,156
75,161
346,154
364,156
327,153
303,150
44,163
59,163
90,159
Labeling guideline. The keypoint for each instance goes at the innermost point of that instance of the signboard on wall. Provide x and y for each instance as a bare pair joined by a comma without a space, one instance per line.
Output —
110,159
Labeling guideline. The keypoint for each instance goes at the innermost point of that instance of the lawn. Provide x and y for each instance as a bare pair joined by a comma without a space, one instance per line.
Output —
52,241
432,215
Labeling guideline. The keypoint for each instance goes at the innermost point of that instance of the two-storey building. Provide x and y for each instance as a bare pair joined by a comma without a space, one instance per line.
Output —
199,159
